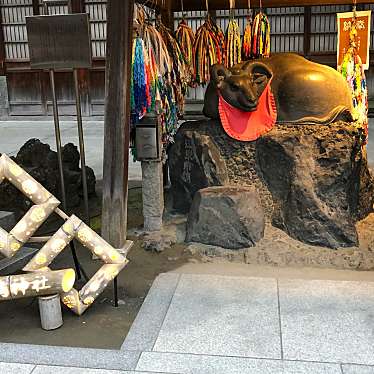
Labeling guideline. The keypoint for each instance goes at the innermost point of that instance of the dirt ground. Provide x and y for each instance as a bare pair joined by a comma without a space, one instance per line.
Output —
104,326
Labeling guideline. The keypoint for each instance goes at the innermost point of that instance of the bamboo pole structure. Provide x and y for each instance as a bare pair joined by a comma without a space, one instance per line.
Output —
42,283
40,280
45,204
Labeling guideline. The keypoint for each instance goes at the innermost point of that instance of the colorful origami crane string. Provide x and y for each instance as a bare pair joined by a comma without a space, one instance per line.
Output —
159,75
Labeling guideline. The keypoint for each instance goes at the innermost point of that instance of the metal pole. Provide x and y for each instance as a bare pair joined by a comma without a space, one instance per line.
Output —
115,290
58,136
59,157
81,146
78,267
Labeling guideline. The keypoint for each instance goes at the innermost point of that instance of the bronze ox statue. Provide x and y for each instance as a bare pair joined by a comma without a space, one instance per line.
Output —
304,92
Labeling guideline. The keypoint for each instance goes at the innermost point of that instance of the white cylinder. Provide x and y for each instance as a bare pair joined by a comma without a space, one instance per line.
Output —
50,312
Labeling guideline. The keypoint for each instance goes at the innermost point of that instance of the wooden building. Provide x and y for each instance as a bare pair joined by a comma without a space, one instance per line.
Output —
308,30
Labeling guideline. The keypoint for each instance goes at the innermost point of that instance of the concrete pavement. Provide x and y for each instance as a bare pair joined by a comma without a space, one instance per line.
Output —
214,324
13,134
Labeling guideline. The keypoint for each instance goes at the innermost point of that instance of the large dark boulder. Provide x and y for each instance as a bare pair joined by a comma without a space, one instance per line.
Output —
313,181
319,181
41,163
229,217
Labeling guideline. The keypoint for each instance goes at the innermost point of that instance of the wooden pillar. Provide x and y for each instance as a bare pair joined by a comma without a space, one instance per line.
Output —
307,30
117,120
2,47
78,6
167,15
35,7
4,96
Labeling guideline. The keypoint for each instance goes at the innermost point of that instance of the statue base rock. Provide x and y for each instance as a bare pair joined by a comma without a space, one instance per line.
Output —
313,181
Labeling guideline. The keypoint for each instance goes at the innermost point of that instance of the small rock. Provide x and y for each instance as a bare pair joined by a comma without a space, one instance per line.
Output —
155,241
230,217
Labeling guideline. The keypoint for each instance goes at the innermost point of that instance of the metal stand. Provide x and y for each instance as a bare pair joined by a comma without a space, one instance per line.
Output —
115,290
81,146
60,166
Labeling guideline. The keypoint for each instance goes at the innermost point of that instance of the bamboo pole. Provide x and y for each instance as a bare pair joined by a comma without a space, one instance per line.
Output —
36,284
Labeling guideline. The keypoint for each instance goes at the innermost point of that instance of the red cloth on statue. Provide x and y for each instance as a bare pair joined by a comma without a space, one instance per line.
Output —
248,126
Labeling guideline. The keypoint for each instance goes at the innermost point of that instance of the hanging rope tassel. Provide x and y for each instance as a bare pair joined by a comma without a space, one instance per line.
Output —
233,44
247,40
247,36
186,38
181,71
208,50
261,36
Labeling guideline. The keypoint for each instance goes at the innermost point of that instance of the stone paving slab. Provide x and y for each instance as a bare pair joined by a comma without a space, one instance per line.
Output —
357,369
202,364
7,368
327,321
72,370
229,316
146,327
68,357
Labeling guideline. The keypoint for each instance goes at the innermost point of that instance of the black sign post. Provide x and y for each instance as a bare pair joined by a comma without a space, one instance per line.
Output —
62,42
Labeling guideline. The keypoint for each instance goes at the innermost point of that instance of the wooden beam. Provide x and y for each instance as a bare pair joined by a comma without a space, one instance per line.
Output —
243,4
307,30
2,47
117,121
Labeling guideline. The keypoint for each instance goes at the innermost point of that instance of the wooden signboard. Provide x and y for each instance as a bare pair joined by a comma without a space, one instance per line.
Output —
60,41
363,20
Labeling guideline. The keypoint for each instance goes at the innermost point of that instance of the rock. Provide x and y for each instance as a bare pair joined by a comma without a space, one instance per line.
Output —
230,217
194,163
319,181
41,163
313,181
156,241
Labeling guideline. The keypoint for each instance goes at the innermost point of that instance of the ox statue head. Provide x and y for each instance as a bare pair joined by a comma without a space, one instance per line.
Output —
243,84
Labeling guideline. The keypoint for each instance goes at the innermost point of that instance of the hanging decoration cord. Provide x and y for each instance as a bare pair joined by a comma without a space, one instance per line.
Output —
233,44
261,35
209,47
186,38
159,77
232,7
